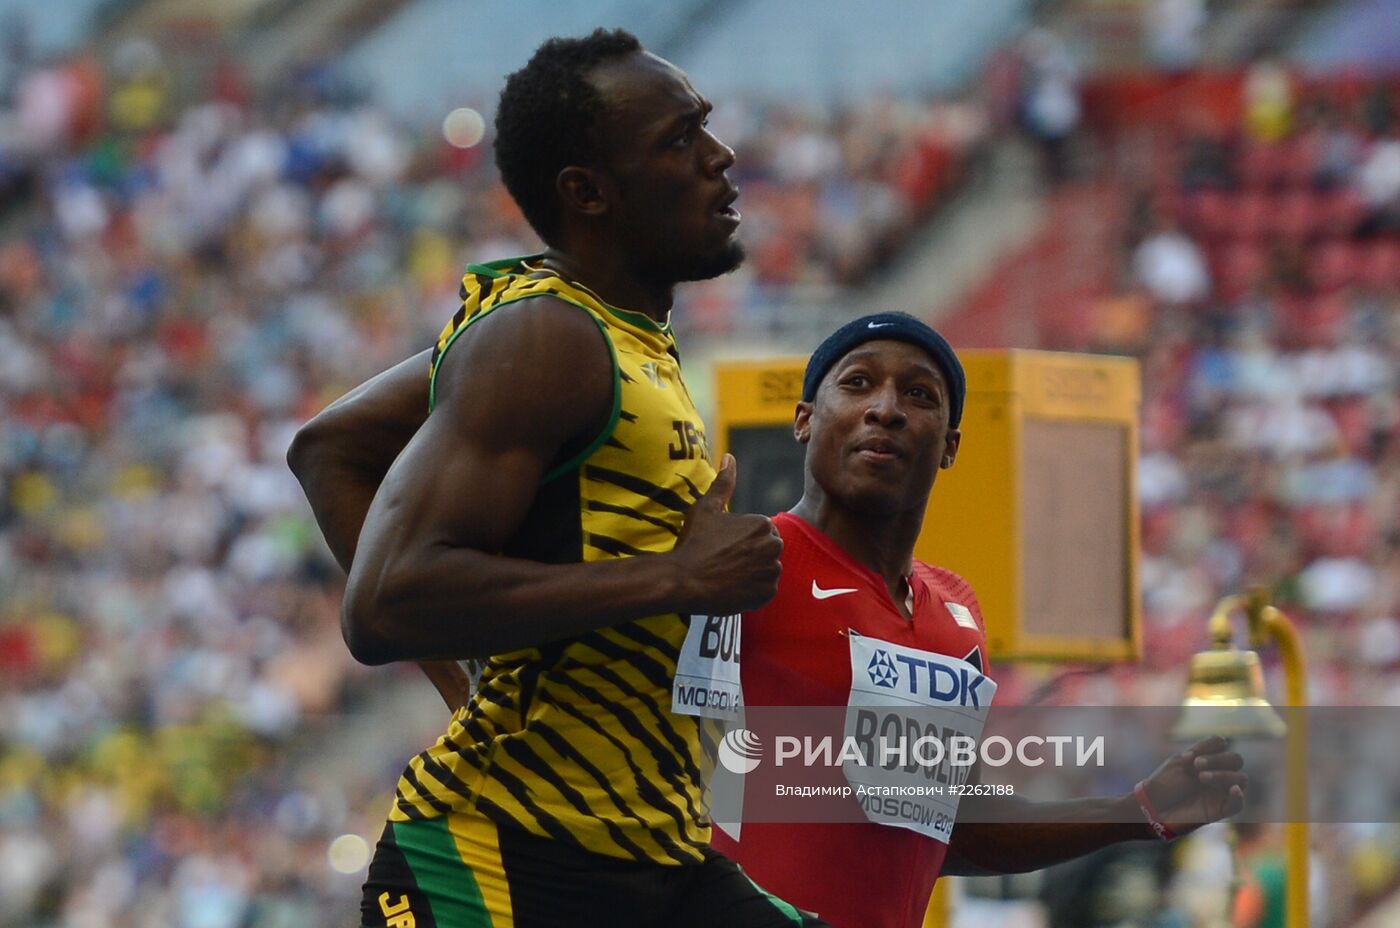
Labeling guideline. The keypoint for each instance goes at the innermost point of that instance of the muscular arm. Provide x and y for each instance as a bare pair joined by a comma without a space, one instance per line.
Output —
341,456
428,581
1202,784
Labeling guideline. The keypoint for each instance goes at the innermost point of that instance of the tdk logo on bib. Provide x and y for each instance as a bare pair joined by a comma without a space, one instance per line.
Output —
945,680
882,670
921,676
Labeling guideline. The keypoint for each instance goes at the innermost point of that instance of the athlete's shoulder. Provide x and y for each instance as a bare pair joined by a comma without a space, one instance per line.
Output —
485,285
941,577
949,586
545,328
798,566
790,527
805,549
544,359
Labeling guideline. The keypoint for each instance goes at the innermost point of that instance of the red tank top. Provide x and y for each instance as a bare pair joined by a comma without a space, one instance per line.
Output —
796,653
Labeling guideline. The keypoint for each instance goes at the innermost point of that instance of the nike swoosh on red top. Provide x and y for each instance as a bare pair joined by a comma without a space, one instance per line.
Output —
819,593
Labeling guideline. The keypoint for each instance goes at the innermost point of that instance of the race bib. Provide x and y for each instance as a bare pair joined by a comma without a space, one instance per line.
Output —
916,717
707,672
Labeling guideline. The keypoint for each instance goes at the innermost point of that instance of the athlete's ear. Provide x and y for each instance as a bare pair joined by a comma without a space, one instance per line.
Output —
802,423
950,448
583,190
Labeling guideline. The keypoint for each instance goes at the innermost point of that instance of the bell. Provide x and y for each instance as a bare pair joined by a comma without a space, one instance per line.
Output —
1225,696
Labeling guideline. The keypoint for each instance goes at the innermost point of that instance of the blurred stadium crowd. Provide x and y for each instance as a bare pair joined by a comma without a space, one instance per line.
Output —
1266,266
1247,227
182,286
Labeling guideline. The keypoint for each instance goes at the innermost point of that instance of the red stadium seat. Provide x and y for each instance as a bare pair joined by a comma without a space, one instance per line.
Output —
1251,215
1209,213
1336,530
1342,212
1290,319
1353,417
1297,215
1170,203
1260,165
1299,160
1380,264
1322,320
1240,266
1334,265
1250,523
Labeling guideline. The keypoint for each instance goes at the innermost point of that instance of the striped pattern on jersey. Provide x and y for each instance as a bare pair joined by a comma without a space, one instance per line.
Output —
575,740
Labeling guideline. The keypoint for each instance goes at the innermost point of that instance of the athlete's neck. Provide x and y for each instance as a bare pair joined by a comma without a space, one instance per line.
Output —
883,543
614,282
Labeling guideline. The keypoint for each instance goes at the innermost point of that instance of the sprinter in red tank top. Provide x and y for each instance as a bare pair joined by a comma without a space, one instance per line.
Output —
882,401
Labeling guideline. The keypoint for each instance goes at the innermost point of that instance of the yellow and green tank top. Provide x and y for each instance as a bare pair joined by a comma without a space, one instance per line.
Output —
575,740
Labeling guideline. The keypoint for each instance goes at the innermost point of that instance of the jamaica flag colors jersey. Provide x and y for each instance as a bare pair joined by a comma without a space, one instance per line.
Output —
575,740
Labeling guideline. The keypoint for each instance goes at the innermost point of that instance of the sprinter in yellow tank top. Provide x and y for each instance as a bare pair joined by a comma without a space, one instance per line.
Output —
558,515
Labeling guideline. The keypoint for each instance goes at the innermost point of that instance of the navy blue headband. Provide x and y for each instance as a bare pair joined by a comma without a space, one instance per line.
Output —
900,327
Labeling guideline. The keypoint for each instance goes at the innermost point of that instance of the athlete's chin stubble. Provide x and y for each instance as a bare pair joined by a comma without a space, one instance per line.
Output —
718,264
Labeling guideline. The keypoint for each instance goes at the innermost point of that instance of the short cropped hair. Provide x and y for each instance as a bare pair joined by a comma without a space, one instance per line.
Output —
546,118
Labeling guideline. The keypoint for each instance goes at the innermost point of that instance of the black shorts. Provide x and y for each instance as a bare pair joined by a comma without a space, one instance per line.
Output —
462,871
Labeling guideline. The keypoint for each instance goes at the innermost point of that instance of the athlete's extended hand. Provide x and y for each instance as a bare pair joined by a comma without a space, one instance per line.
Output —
728,562
1202,784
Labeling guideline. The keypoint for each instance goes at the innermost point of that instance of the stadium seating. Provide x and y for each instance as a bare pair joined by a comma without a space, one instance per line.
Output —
177,297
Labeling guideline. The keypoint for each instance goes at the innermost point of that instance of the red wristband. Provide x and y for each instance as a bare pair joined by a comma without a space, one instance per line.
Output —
1159,828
